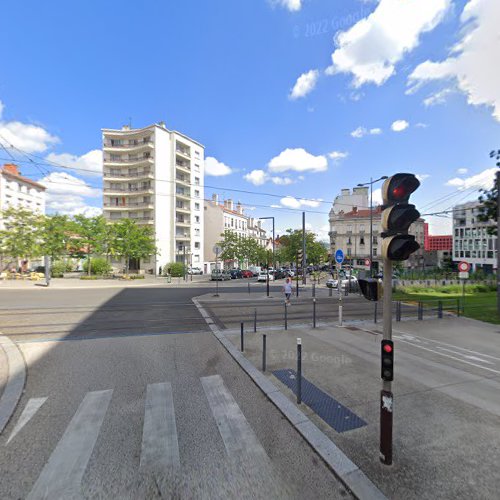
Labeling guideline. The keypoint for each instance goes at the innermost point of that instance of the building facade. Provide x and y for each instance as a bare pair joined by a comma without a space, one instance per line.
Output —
155,176
438,248
471,241
20,192
227,216
350,232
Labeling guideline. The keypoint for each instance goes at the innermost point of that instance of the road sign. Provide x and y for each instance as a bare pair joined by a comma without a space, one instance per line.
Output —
367,262
217,249
464,267
463,275
339,256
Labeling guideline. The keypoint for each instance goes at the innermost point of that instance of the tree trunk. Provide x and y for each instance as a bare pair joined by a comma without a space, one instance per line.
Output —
89,261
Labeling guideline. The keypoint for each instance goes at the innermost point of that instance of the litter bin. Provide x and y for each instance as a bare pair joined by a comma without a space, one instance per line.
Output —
169,278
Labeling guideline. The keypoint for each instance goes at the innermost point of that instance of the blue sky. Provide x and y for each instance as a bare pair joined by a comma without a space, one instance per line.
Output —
229,75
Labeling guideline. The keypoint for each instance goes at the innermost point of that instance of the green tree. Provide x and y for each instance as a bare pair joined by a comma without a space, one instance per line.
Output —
133,241
20,238
291,243
55,235
89,237
231,245
489,207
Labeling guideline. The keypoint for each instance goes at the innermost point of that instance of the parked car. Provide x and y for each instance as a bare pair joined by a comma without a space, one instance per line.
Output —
263,276
235,274
255,270
220,275
246,273
344,283
279,274
195,270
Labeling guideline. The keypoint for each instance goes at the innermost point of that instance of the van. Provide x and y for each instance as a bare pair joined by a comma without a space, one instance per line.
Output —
255,270
220,275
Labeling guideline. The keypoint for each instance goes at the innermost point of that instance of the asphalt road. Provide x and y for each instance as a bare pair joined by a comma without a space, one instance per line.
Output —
128,395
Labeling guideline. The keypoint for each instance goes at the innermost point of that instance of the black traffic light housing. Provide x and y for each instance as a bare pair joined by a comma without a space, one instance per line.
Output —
398,216
371,288
387,349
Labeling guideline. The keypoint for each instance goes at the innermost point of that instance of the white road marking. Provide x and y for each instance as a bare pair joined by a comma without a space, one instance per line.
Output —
467,356
160,447
62,475
234,428
32,406
448,356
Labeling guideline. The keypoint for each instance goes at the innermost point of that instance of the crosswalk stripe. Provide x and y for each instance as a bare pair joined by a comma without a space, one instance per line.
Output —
160,448
234,428
32,406
62,475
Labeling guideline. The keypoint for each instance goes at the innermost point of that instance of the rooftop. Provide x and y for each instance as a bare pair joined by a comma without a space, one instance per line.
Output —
11,170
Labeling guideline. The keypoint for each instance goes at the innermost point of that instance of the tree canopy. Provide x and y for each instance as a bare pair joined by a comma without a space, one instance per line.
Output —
488,200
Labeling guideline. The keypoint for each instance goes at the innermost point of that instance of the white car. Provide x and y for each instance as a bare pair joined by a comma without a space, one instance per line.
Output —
344,282
263,275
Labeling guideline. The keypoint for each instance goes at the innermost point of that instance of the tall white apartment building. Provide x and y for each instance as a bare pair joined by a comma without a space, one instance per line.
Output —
155,176
21,192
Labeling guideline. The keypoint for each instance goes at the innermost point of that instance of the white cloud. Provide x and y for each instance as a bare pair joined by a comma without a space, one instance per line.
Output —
216,168
66,194
421,125
28,138
291,202
462,171
88,164
484,180
472,62
337,156
256,177
298,160
291,5
438,97
377,197
276,206
371,48
362,131
422,177
282,181
305,83
399,125
1,109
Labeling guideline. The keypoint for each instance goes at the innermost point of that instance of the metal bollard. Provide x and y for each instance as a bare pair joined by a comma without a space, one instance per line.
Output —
420,311
299,371
255,320
440,309
314,313
314,290
248,288
242,339
458,308
398,311
264,339
330,291
375,312
286,317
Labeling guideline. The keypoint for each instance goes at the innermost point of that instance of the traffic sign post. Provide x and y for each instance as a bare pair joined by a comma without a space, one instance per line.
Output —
367,262
339,258
217,250
463,274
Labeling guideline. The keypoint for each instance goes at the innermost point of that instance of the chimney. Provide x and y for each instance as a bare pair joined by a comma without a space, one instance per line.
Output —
126,127
230,205
162,124
354,210
215,199
11,169
239,208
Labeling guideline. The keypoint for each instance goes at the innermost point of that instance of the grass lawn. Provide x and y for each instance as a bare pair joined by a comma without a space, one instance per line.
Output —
482,306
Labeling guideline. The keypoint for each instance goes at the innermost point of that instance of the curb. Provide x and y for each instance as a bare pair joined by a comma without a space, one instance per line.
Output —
15,381
347,471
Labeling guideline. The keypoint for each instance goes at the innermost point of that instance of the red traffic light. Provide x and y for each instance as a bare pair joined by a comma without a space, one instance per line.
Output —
398,188
387,348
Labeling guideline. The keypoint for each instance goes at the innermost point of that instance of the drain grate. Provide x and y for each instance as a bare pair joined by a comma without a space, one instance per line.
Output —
335,414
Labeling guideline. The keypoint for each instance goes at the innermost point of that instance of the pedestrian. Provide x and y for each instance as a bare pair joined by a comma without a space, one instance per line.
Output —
287,290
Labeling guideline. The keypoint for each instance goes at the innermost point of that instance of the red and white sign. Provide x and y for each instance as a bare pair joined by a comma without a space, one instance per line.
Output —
463,267
367,262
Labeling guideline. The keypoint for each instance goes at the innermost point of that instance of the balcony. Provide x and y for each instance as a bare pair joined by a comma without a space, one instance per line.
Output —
183,150
128,161
128,191
185,195
182,236
128,144
183,166
185,209
128,205
147,173
183,180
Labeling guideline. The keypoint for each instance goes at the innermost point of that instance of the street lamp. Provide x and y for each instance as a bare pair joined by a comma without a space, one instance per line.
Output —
371,183
274,263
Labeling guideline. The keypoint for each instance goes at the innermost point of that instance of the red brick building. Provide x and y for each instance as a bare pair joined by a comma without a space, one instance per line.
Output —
437,242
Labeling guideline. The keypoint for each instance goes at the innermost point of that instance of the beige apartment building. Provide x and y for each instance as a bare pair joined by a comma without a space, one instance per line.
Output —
350,232
227,216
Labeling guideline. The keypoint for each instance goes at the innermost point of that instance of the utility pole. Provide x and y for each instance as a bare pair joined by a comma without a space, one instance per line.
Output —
498,241
304,256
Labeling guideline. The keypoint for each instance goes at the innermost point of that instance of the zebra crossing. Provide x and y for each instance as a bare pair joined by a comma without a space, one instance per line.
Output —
62,474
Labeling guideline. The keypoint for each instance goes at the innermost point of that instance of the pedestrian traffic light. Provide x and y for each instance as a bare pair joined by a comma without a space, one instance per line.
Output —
398,216
387,371
371,288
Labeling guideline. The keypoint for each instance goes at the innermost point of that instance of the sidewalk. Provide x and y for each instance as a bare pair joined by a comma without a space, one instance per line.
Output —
444,447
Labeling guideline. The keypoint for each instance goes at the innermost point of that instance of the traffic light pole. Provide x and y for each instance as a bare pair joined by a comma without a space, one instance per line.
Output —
304,257
386,397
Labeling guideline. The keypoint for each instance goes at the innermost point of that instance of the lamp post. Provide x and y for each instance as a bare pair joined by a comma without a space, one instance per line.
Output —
371,183
274,263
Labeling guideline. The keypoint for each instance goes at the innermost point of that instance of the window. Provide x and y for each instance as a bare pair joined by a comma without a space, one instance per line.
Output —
196,194
196,206
196,258
362,240
196,167
196,181
197,219
197,232
197,244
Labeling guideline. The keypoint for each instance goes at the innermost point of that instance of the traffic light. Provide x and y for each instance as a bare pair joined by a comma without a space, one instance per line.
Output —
387,360
299,256
398,216
371,288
